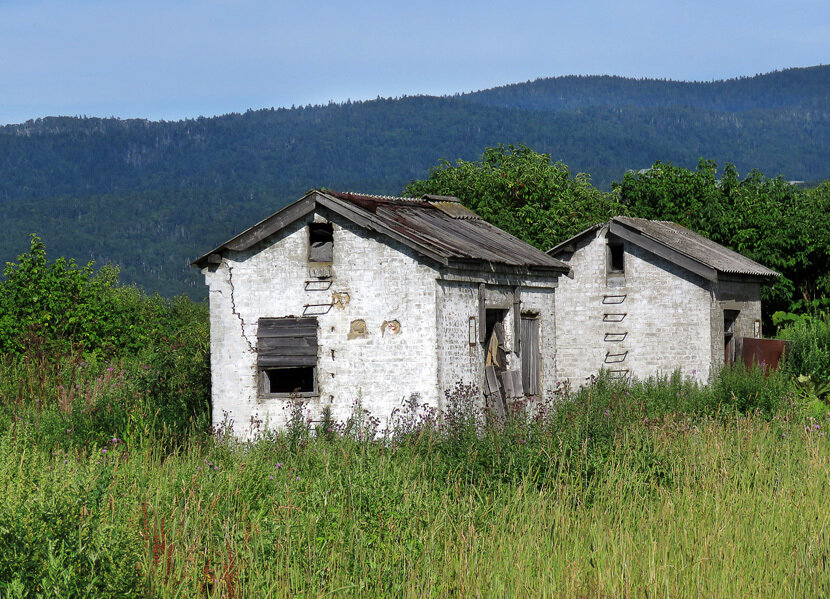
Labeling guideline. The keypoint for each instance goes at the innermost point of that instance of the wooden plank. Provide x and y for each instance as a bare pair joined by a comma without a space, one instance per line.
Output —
272,224
275,361
507,381
661,250
490,380
304,331
281,321
281,343
287,327
530,355
517,383
517,319
482,313
294,350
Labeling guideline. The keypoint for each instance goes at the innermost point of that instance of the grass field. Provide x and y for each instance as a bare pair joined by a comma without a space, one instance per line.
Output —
616,493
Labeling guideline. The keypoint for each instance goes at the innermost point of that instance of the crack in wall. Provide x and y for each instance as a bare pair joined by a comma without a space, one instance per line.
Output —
234,311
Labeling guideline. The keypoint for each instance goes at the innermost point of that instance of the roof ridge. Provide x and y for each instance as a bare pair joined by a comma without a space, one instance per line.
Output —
373,195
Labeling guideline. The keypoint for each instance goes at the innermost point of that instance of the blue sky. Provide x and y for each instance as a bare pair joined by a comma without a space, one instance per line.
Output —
173,59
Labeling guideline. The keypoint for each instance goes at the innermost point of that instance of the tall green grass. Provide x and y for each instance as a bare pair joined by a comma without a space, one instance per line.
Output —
656,488
739,511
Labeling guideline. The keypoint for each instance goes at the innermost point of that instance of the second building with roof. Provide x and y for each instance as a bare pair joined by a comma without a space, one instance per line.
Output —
646,298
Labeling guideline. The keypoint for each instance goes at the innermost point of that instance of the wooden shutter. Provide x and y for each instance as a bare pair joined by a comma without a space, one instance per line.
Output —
287,342
531,360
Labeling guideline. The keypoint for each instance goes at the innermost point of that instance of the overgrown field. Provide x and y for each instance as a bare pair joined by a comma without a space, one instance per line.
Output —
113,485
614,493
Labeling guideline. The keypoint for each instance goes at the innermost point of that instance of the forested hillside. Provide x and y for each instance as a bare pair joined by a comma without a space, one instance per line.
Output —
793,89
150,196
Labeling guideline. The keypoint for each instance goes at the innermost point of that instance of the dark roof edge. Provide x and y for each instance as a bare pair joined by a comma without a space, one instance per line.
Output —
287,215
264,228
644,240
561,246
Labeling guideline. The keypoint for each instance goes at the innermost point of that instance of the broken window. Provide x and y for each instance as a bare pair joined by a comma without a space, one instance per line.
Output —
531,359
287,356
616,257
320,242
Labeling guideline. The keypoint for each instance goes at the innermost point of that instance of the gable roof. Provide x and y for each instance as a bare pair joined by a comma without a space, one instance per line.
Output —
438,227
678,245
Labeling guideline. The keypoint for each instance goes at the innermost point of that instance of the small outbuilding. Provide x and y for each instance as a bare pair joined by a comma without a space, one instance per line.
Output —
648,297
342,299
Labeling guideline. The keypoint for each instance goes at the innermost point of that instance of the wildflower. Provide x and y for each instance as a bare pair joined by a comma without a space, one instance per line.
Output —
110,369
816,426
694,371
104,450
271,477
216,467
606,413
298,478
279,465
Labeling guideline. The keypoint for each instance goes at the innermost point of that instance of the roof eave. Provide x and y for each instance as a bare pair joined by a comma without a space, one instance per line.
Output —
263,229
561,246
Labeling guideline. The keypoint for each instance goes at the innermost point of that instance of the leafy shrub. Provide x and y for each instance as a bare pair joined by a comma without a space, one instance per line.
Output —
88,359
808,350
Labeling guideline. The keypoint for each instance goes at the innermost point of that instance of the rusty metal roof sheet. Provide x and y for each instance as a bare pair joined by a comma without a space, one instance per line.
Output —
436,226
681,240
450,229
696,247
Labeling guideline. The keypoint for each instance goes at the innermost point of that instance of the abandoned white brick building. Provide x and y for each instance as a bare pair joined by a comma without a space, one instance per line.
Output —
648,297
341,297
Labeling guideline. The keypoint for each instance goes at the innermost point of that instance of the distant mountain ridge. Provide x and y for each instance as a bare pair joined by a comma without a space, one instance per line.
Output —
153,195
797,88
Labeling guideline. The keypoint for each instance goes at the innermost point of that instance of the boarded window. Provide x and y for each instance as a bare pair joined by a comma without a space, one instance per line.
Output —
531,359
320,242
287,355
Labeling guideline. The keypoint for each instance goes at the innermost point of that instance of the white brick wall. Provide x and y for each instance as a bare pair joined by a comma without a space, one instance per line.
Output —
385,282
667,316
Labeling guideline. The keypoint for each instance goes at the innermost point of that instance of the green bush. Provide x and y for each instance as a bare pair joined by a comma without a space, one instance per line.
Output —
808,348
88,359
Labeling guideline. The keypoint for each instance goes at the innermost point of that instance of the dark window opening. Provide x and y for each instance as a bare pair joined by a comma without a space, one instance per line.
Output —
493,317
299,379
320,242
729,318
616,257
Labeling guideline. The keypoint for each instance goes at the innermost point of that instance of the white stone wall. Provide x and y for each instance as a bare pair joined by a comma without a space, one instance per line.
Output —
377,282
459,362
667,322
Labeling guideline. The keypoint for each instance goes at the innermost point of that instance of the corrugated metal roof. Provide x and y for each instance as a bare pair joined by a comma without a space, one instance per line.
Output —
697,247
435,226
450,229
683,241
